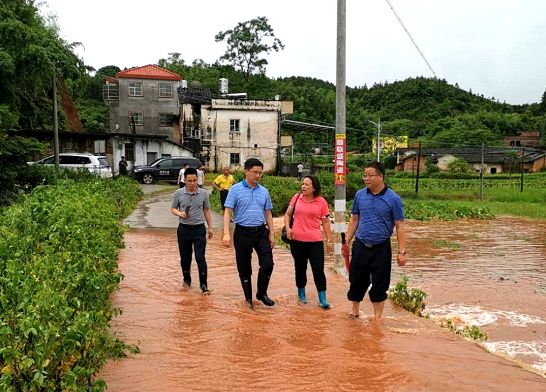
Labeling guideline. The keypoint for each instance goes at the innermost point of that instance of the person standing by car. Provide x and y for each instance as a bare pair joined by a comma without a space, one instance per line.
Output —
223,183
200,176
191,206
122,167
376,211
251,204
300,171
181,182
309,210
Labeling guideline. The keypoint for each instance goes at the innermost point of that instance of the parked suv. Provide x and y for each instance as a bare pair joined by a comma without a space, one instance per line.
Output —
165,169
96,164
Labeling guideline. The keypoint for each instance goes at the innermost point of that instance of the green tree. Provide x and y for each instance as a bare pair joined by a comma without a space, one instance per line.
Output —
458,165
247,43
31,52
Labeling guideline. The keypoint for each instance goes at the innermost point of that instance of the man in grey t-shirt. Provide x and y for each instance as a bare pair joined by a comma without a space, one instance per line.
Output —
191,206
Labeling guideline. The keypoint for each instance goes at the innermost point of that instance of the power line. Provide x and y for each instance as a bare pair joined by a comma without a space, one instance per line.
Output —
411,38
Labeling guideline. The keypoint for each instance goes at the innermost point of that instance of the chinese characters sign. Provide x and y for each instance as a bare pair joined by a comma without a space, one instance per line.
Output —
339,159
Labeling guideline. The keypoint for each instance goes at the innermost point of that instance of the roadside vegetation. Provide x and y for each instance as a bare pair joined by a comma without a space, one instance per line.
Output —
58,256
413,300
438,198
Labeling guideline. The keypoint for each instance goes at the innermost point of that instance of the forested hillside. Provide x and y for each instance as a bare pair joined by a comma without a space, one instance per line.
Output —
426,109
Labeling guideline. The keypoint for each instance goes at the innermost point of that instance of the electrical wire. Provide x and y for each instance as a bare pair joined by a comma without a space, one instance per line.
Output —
411,38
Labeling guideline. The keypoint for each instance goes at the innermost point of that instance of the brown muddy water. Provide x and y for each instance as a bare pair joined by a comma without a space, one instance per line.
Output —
490,274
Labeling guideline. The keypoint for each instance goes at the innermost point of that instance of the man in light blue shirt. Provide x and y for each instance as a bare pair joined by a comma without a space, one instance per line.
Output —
251,206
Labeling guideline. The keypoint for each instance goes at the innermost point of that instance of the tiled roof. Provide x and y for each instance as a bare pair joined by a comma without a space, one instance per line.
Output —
474,154
148,72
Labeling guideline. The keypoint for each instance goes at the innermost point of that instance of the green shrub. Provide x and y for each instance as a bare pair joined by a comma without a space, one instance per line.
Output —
412,300
58,255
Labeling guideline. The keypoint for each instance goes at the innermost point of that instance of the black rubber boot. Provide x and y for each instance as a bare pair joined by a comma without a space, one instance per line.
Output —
261,293
187,278
246,283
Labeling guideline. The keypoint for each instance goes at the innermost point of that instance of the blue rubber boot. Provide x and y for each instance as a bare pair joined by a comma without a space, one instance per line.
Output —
322,300
301,295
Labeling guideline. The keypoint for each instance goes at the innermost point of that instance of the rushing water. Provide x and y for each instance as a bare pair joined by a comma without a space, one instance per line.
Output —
490,274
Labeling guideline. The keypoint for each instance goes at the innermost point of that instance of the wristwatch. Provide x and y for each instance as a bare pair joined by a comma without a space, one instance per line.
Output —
403,253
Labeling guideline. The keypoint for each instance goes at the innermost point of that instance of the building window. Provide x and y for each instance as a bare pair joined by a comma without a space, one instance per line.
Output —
135,89
165,90
234,126
136,118
234,159
165,119
129,152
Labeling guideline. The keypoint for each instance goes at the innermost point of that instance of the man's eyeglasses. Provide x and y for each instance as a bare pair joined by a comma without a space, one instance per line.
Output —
369,175
255,172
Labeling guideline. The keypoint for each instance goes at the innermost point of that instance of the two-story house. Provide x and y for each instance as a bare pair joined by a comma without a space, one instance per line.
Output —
143,114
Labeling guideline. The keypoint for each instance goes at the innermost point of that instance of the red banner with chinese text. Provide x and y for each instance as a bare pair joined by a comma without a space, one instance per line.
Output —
340,155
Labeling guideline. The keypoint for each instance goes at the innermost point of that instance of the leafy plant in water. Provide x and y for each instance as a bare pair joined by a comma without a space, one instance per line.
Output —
412,300
468,331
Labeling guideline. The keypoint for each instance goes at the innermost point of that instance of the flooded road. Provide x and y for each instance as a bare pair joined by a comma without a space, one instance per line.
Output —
491,274
193,343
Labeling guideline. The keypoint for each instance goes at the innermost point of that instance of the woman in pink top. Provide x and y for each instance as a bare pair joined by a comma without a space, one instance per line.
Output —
309,209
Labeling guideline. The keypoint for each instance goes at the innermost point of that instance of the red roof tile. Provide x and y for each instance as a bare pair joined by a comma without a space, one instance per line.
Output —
148,72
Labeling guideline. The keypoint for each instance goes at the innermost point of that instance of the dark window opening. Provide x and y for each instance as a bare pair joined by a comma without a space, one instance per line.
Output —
234,159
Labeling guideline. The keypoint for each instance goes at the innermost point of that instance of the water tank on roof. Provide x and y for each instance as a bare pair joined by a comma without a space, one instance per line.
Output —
223,86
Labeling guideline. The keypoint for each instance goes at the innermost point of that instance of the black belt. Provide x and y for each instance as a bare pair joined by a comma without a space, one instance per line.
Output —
373,246
250,228
192,226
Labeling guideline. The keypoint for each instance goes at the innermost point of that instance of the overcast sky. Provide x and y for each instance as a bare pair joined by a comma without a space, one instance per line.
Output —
493,47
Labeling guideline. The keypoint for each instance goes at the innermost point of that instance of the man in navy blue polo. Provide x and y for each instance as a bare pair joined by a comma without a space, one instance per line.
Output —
376,211
251,206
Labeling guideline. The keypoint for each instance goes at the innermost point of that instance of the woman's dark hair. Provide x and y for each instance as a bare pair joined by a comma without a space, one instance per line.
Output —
316,185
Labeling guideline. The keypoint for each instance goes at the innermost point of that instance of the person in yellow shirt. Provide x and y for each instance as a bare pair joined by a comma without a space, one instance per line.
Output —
223,182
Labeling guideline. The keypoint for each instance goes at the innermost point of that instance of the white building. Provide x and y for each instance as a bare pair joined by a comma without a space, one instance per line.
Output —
227,131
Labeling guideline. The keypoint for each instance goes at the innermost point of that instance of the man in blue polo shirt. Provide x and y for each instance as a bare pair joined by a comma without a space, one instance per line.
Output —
251,205
376,211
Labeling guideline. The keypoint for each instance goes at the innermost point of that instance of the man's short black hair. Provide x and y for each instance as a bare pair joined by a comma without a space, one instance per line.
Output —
190,171
378,166
251,162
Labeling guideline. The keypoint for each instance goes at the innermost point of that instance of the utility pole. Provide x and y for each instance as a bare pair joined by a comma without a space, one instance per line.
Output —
481,172
417,173
378,140
55,123
521,177
340,147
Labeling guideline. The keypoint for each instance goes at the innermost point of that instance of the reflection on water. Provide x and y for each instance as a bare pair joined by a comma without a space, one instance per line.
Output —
195,343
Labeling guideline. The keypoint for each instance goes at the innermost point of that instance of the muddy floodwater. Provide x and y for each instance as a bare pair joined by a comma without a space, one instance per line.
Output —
485,273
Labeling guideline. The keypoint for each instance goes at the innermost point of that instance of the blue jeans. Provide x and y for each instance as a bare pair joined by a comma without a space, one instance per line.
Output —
192,237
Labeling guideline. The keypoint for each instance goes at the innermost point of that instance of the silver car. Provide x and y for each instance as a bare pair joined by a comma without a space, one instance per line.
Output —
96,164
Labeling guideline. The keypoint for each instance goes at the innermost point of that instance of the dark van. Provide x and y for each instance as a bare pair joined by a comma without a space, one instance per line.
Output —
164,169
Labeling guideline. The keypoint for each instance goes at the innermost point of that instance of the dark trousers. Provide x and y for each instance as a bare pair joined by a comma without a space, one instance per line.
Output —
223,197
370,265
314,253
192,237
247,239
